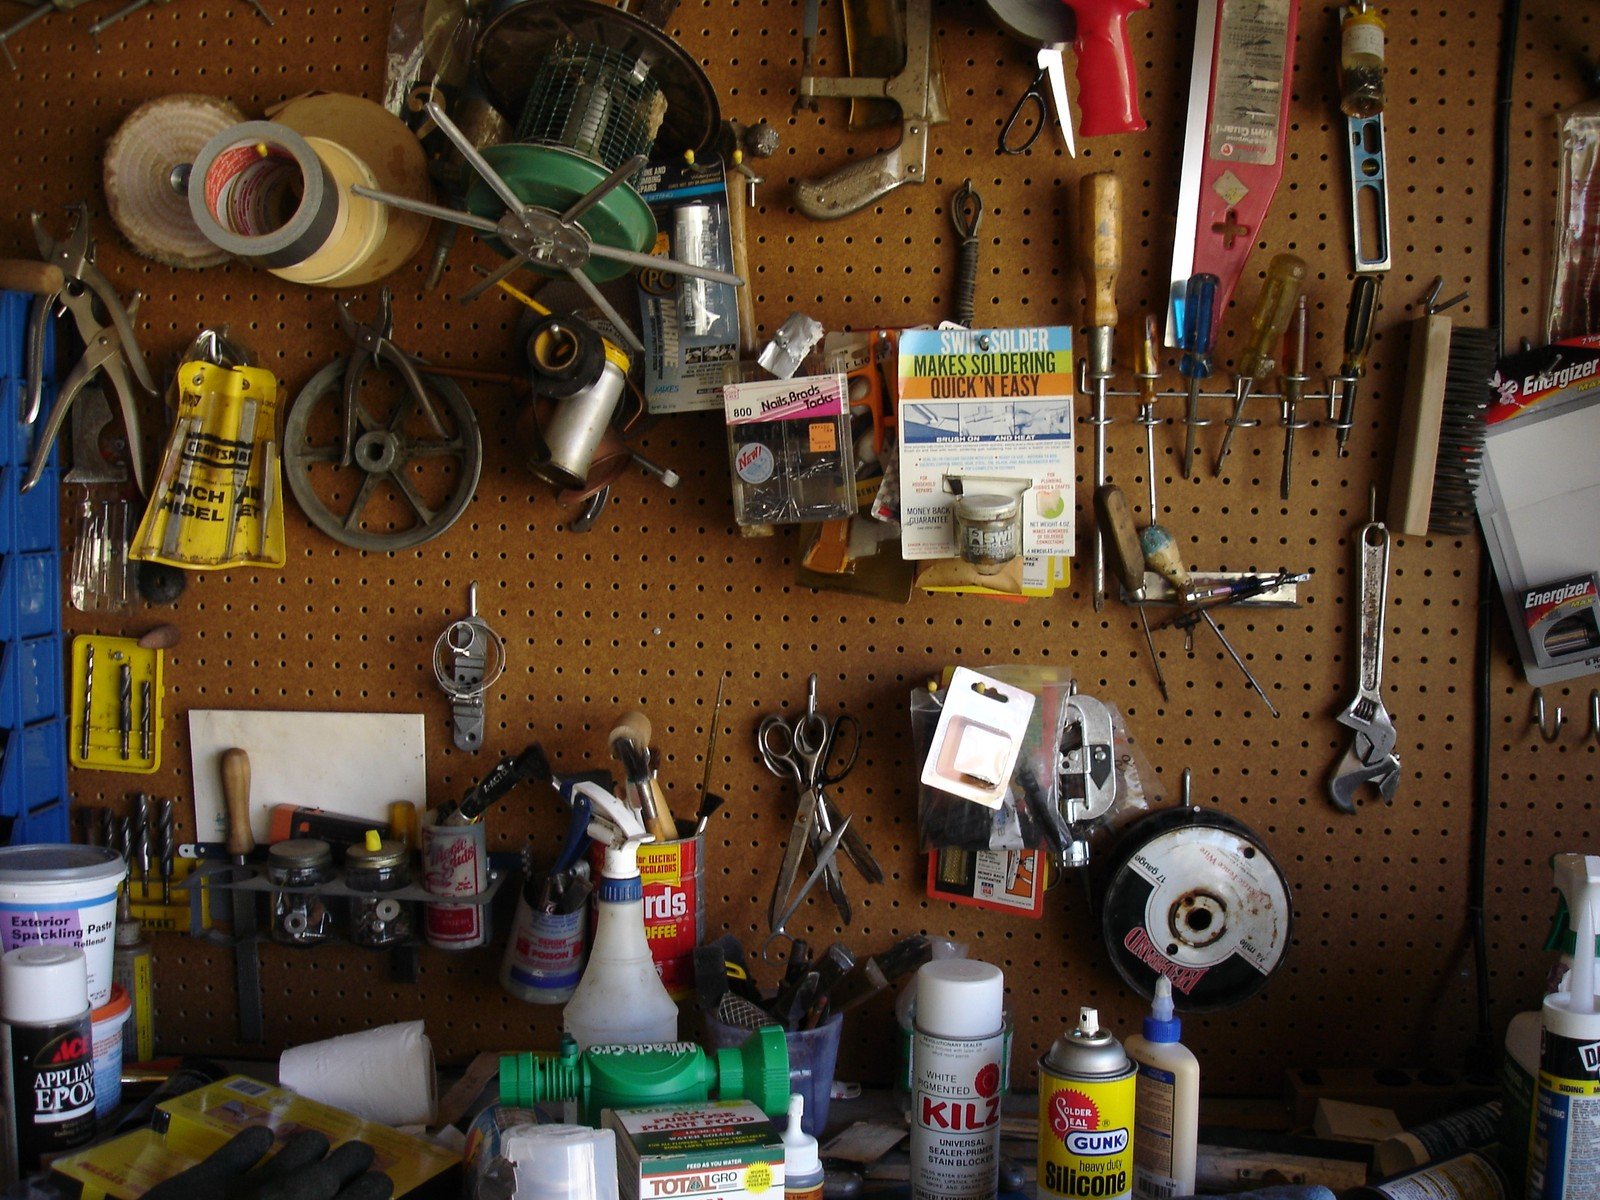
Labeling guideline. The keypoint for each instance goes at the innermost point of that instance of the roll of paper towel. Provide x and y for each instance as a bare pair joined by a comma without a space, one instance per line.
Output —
383,1074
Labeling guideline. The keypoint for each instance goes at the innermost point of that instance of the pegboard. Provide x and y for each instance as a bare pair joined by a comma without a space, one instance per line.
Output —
662,597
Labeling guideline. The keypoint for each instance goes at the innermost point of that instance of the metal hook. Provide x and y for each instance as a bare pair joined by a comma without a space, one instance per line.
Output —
1548,732
1594,714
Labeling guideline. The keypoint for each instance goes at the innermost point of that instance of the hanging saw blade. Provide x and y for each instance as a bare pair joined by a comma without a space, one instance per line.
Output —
1233,141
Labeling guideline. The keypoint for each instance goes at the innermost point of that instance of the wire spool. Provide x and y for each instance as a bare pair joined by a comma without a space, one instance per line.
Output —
146,174
1194,895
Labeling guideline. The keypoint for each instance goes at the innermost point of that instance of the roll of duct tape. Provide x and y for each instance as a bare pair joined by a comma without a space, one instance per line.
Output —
146,172
391,153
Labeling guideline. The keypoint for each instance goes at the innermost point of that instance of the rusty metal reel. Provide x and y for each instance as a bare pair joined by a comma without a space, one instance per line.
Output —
404,484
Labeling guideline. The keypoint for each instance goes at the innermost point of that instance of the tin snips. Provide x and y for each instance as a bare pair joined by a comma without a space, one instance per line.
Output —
110,346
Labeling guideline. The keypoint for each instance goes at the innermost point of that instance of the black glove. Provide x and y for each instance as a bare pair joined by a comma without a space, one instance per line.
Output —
302,1170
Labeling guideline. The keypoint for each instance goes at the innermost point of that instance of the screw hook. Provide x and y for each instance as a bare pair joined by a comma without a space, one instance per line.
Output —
1594,714
1548,732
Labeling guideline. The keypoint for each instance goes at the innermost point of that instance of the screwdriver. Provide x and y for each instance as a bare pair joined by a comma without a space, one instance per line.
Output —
1100,249
1280,294
1293,386
1114,519
1148,375
1357,342
1199,325
1162,556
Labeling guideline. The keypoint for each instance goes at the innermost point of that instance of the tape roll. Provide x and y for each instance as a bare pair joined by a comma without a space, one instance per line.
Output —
146,165
282,200
392,154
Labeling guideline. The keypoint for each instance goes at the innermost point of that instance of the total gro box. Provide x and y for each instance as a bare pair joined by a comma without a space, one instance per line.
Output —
724,1150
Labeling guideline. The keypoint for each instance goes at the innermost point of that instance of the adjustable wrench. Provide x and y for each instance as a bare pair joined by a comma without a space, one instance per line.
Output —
1371,757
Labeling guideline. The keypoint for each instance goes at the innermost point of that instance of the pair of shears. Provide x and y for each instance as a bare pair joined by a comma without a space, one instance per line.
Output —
802,751
1017,136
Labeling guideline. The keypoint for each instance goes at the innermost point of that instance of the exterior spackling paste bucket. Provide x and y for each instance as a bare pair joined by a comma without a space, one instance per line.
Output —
63,895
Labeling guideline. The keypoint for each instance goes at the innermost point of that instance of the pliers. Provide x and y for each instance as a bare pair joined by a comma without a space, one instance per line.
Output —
111,349
373,345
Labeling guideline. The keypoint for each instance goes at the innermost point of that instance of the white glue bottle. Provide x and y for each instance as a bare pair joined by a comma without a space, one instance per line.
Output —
1166,1112
802,1165
1564,1157
620,999
957,1066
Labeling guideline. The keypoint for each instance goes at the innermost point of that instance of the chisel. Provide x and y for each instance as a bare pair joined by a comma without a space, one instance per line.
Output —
241,844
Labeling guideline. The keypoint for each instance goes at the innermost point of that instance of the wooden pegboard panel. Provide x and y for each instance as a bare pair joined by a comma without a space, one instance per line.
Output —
649,608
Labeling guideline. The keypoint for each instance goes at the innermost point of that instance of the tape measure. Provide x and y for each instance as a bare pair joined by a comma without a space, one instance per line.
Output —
1194,895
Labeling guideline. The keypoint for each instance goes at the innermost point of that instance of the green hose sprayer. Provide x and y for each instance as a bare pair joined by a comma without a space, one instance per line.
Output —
638,1076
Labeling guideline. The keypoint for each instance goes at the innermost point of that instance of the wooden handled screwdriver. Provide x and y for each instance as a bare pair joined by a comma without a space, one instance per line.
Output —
1113,517
241,844
1100,260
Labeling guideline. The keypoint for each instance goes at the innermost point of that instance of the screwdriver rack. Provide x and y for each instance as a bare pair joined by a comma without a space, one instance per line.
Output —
650,608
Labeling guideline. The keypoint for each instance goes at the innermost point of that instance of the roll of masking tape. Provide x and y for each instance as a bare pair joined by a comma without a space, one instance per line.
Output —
273,198
390,151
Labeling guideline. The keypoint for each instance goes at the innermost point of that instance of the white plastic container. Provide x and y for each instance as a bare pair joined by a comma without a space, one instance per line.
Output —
620,999
63,896
1166,1122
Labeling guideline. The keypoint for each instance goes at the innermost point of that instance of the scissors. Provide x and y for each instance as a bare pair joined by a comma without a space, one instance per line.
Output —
1036,103
825,859
800,751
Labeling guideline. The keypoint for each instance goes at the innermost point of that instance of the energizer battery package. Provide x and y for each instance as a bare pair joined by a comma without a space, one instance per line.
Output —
691,326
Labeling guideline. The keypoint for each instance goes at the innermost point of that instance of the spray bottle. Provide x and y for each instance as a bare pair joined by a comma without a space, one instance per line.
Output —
1166,1103
620,999
1564,1154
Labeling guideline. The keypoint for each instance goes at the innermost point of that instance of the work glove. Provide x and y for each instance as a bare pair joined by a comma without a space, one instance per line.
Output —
302,1170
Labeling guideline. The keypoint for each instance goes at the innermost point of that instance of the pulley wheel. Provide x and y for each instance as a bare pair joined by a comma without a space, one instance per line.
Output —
405,484
1192,894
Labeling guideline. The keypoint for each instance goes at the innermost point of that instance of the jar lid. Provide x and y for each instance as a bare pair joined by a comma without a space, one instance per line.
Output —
390,852
300,854
987,507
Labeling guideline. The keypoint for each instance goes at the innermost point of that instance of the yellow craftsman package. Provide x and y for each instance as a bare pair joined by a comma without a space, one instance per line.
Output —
218,500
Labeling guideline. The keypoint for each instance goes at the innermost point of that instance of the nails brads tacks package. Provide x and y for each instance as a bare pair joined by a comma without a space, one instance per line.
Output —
789,450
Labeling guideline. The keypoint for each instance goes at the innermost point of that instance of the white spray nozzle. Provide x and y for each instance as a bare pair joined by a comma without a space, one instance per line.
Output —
615,825
1578,878
1088,1021
1161,1002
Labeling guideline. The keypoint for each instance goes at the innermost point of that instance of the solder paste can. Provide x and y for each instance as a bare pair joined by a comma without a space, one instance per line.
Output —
957,1081
1086,1093
455,862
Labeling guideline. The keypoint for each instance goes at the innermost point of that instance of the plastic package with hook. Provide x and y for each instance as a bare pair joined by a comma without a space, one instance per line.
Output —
1574,306
789,447
1032,792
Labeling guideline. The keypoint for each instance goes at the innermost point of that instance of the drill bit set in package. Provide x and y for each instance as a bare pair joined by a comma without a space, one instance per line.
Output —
217,500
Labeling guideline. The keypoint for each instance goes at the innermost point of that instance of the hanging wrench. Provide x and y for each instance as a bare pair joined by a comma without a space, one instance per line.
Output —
1371,757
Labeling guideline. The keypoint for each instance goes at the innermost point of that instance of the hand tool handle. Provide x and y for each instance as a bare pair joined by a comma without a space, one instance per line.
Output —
236,796
1100,243
1373,562
26,275
1199,326
1358,325
1163,557
852,187
1108,95
1114,517
1280,294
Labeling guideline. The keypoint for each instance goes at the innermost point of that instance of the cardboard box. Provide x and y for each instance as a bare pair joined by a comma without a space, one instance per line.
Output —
726,1150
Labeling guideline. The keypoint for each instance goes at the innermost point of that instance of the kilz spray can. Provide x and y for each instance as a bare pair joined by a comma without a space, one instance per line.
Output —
1086,1094
957,1075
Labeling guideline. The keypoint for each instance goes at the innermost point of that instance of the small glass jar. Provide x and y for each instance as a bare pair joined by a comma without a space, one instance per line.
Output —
987,531
300,917
378,922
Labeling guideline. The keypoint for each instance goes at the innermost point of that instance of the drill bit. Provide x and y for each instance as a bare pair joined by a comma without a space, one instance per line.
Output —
166,838
140,846
88,703
146,718
125,707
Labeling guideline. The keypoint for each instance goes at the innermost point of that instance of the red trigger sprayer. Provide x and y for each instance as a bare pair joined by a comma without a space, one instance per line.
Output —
1107,95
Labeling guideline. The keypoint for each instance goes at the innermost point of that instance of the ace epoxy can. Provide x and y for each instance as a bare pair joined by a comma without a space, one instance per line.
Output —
46,1057
1086,1095
958,1070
